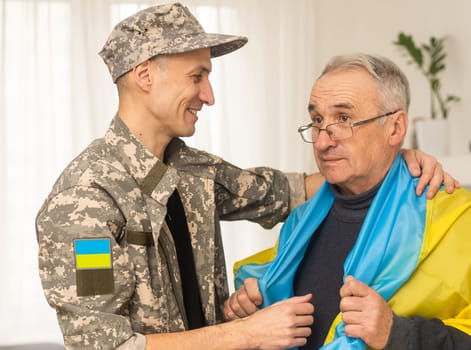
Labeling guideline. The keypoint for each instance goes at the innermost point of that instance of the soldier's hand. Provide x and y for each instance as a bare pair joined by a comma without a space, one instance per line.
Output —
430,171
283,325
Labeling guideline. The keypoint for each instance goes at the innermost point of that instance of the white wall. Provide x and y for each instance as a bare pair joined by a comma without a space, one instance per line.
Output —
344,26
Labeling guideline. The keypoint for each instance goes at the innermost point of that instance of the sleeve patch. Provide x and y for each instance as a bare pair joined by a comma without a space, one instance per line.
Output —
94,268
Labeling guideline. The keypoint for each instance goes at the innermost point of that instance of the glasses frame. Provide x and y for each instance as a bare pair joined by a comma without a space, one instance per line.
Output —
303,128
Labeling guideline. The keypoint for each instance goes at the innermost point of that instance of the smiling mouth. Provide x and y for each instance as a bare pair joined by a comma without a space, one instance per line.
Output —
193,111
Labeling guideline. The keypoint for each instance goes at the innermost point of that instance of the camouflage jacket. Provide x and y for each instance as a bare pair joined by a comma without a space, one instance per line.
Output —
107,260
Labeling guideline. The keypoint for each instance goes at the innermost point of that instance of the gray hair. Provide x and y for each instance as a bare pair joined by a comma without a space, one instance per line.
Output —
393,84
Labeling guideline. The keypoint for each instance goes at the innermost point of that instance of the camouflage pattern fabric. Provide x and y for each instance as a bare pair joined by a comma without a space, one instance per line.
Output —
161,30
117,191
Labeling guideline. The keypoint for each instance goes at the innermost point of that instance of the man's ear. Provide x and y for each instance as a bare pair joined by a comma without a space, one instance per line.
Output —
142,75
398,128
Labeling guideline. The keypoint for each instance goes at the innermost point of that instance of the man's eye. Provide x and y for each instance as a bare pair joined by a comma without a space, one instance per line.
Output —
344,118
317,120
197,78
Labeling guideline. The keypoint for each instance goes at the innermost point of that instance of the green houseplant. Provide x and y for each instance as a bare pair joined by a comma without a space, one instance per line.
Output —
430,134
429,58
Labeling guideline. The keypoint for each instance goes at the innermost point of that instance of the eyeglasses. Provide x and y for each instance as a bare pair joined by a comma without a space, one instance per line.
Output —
336,131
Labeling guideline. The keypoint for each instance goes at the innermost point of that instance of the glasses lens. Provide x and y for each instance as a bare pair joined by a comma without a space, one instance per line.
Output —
336,131
306,133
339,131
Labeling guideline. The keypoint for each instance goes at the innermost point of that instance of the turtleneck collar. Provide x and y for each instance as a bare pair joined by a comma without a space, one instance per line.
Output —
352,208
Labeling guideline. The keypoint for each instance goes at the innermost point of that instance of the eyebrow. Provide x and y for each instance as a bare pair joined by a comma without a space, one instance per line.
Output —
312,107
201,68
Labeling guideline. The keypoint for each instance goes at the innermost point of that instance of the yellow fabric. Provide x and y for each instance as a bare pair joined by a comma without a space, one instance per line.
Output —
440,287
331,333
261,257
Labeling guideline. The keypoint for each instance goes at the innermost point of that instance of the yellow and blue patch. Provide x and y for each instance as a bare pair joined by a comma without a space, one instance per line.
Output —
92,253
94,267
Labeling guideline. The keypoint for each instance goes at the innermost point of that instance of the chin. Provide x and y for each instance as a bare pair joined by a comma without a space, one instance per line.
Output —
333,177
187,131
188,134
191,132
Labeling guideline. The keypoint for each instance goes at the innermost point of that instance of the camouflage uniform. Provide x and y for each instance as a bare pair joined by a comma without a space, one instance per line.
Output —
117,190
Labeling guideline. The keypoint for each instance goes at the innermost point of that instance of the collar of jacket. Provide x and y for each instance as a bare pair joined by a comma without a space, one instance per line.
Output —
155,178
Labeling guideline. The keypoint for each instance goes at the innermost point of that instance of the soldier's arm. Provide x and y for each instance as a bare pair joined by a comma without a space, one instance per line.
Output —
262,194
90,296
282,325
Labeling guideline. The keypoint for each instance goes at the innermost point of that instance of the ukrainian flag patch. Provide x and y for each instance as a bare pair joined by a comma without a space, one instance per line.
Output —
93,253
94,268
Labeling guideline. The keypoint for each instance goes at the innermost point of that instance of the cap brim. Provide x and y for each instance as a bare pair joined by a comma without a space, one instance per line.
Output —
219,44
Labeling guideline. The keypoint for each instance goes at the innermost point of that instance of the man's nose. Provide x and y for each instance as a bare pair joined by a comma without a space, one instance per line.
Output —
323,140
206,93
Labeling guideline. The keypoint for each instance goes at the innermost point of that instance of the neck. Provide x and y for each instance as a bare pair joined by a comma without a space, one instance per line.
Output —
143,127
134,109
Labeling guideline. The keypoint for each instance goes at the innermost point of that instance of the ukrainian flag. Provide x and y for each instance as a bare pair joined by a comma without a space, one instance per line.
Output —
92,254
430,277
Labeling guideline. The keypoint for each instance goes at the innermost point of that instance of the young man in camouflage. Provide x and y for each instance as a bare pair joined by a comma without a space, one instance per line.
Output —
130,251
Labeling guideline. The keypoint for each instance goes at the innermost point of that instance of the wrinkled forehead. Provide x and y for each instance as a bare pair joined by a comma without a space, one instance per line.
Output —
344,89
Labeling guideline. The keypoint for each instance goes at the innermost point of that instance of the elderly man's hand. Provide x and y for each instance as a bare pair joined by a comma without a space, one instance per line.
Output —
365,313
244,301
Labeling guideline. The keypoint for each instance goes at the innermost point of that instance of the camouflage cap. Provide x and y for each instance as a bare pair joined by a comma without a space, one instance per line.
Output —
160,30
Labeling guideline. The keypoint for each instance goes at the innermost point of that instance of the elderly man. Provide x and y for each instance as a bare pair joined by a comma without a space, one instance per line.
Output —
385,267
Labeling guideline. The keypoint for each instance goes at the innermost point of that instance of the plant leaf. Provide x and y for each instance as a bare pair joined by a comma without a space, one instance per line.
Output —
430,59
408,44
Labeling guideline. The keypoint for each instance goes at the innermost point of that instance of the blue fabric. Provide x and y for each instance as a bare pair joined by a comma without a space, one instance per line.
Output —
384,255
276,277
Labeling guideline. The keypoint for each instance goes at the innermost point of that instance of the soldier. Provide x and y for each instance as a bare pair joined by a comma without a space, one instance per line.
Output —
130,251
